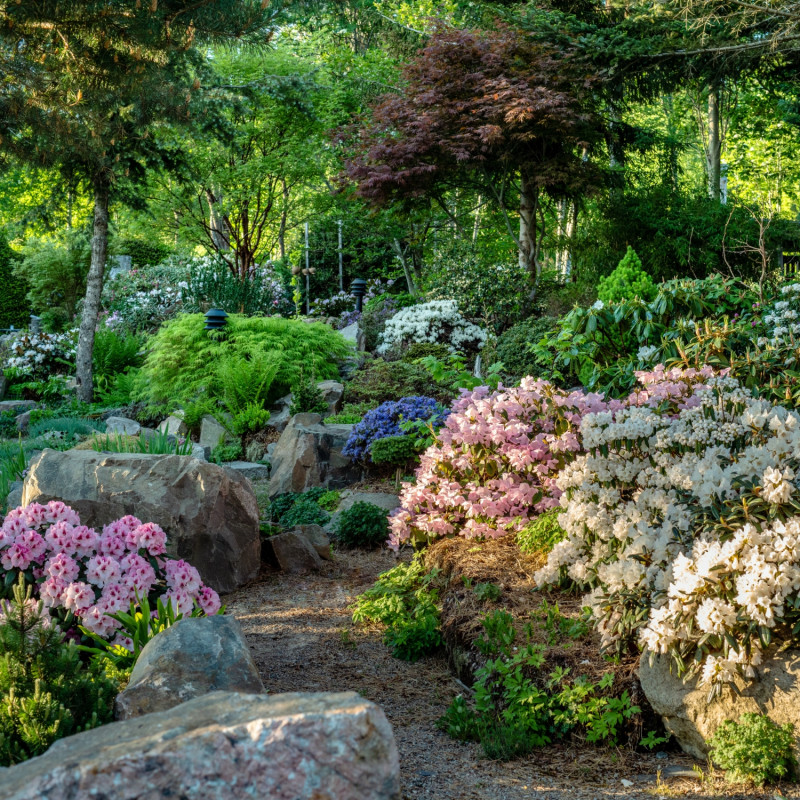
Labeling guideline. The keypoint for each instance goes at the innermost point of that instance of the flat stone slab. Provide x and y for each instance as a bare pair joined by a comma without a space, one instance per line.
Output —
224,746
250,470
19,406
384,500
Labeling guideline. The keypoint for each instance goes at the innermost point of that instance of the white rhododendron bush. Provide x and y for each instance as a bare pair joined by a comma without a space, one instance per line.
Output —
683,521
436,322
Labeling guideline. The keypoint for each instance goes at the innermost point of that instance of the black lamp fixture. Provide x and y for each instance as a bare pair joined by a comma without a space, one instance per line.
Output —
216,319
358,288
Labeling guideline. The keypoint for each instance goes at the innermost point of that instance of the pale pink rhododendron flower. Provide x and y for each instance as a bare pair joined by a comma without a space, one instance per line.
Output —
91,575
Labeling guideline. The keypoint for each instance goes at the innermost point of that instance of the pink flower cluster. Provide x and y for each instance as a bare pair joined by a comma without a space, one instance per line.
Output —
96,574
494,465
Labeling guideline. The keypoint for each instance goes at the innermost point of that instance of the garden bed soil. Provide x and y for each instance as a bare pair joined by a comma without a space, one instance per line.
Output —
303,639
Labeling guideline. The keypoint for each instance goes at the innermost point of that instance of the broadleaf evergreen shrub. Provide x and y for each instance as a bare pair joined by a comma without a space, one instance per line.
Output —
307,397
379,381
362,525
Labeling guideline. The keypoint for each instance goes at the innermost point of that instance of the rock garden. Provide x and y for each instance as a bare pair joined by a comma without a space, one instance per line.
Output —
399,401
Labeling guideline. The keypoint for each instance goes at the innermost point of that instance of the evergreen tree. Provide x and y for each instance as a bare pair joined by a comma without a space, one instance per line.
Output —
89,87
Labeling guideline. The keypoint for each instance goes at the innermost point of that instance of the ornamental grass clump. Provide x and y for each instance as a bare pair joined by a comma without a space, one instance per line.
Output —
683,521
84,576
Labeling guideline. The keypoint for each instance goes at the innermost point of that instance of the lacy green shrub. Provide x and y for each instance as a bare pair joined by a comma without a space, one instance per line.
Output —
627,281
754,749
14,307
404,600
420,350
330,500
350,414
362,525
542,533
515,711
46,692
180,363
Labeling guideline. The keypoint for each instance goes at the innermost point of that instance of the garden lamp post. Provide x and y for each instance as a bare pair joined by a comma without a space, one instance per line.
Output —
216,319
358,288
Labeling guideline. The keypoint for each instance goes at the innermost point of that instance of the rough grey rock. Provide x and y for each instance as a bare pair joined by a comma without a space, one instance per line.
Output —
280,414
173,425
211,432
332,391
692,719
253,472
294,552
123,425
210,514
23,421
14,495
196,656
199,452
309,454
16,405
318,539
224,746
354,335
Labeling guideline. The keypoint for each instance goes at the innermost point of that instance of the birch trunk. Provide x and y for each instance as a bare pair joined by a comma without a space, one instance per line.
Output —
94,288
714,151
528,238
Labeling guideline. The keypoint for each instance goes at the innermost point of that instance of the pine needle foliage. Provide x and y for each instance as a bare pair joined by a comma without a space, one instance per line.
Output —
184,360
46,691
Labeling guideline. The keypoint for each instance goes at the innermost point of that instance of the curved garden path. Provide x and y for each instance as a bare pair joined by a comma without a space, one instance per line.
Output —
303,639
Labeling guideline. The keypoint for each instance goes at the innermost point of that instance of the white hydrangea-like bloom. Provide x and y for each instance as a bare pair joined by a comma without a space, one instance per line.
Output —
647,353
776,485
437,322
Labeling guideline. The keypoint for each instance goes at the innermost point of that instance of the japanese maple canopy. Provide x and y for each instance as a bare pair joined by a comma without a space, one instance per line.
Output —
479,106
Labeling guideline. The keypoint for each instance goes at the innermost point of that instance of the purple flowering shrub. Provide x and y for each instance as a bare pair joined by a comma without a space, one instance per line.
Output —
385,421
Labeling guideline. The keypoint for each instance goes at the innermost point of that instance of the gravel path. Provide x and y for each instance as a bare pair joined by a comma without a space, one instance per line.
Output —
303,639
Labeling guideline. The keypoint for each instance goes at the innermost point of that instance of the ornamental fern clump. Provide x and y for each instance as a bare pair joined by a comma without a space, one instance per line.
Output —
46,692
754,749
627,281
363,525
180,364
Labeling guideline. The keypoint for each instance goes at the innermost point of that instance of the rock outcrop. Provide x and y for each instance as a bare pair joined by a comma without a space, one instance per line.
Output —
196,656
692,718
224,746
210,514
308,454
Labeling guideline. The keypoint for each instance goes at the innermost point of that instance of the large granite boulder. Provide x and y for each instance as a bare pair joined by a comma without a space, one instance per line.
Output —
210,514
308,454
692,718
224,746
212,432
123,425
293,552
18,406
196,656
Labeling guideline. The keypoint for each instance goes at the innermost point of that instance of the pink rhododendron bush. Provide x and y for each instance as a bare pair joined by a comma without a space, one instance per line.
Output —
83,576
495,464
684,524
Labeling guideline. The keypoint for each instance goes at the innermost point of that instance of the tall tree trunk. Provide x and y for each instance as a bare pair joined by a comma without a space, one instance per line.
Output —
284,217
400,252
528,238
572,227
94,288
714,151
477,224
220,235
